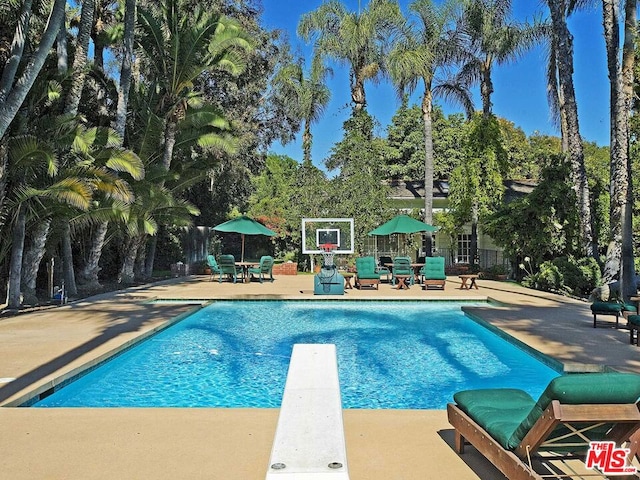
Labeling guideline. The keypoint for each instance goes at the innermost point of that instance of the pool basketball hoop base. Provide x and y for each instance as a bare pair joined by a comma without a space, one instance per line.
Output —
328,281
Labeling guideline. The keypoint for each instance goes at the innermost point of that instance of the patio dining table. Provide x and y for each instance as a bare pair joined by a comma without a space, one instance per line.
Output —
246,265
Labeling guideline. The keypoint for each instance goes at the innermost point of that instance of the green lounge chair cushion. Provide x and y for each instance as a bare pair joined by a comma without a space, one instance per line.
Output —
628,307
500,411
634,319
366,268
433,268
606,307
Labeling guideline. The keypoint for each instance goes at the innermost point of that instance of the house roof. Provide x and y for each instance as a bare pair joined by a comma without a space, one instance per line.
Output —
414,189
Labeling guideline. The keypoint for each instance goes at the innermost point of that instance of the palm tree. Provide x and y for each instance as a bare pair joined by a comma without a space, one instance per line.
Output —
416,57
181,46
309,96
359,40
562,61
493,38
13,92
620,261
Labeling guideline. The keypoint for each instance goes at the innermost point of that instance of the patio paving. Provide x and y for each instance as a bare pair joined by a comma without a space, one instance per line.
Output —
39,347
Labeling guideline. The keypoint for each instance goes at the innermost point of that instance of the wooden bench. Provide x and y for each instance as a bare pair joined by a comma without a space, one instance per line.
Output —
309,442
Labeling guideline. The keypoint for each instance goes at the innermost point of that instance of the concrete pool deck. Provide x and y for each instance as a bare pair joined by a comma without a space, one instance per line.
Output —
38,347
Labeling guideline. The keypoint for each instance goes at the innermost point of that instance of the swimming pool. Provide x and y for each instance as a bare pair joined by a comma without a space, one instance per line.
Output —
396,355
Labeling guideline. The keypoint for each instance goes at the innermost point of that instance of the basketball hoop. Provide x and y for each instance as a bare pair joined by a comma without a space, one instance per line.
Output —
328,251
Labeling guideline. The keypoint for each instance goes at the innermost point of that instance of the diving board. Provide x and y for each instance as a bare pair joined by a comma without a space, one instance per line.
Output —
309,443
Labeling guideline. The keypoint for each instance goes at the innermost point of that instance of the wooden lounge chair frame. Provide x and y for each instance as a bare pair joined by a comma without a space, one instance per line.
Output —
517,464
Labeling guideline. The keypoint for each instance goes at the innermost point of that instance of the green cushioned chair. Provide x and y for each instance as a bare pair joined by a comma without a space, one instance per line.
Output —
433,273
634,328
508,426
606,308
213,266
402,266
366,272
265,267
227,265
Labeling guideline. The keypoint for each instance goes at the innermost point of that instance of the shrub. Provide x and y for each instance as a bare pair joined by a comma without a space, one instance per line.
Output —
549,279
580,276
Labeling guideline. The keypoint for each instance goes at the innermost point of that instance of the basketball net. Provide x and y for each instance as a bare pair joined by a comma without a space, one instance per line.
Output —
328,252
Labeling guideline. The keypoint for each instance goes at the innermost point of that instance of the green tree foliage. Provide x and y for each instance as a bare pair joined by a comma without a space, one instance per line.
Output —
358,192
542,225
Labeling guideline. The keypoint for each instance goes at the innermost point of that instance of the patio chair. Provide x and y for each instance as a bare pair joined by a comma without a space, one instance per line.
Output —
227,265
433,273
513,431
612,308
265,267
366,274
402,266
383,269
213,266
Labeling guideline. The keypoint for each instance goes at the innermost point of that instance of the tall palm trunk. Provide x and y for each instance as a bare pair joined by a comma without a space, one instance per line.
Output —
17,47
306,142
15,266
620,261
67,260
358,95
132,244
91,268
13,101
564,53
427,108
486,87
80,58
32,257
89,272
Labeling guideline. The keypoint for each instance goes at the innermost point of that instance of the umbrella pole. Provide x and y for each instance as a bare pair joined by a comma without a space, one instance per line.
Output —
242,256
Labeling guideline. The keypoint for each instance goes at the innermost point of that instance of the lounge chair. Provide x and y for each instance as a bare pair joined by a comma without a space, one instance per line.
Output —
213,266
510,428
366,274
265,267
433,273
402,266
612,308
227,265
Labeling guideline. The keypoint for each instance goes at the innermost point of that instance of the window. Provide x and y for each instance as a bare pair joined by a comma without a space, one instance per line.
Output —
464,248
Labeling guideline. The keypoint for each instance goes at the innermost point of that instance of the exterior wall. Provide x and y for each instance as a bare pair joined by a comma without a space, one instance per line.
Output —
285,268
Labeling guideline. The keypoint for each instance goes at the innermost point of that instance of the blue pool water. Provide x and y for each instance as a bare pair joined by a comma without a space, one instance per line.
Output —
394,355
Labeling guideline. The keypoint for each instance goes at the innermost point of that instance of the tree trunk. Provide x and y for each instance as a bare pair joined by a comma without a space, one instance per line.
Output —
169,142
358,95
151,256
15,266
89,273
428,168
125,69
17,48
4,164
486,87
61,50
67,260
32,257
78,73
15,97
306,142
628,275
564,56
126,275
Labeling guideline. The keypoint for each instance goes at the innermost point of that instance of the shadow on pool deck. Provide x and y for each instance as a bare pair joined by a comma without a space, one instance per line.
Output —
232,444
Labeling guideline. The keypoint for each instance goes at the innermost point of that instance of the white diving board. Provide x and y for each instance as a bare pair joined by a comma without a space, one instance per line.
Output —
309,442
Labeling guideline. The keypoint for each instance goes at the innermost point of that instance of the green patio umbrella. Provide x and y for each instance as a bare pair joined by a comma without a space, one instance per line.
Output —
403,224
244,226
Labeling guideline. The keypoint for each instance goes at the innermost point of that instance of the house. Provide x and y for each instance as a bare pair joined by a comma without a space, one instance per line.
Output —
408,195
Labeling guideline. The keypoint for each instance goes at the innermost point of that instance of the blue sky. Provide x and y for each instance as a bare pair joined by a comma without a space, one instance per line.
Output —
520,88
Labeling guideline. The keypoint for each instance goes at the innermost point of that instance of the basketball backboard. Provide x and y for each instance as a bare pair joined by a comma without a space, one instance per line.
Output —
322,231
